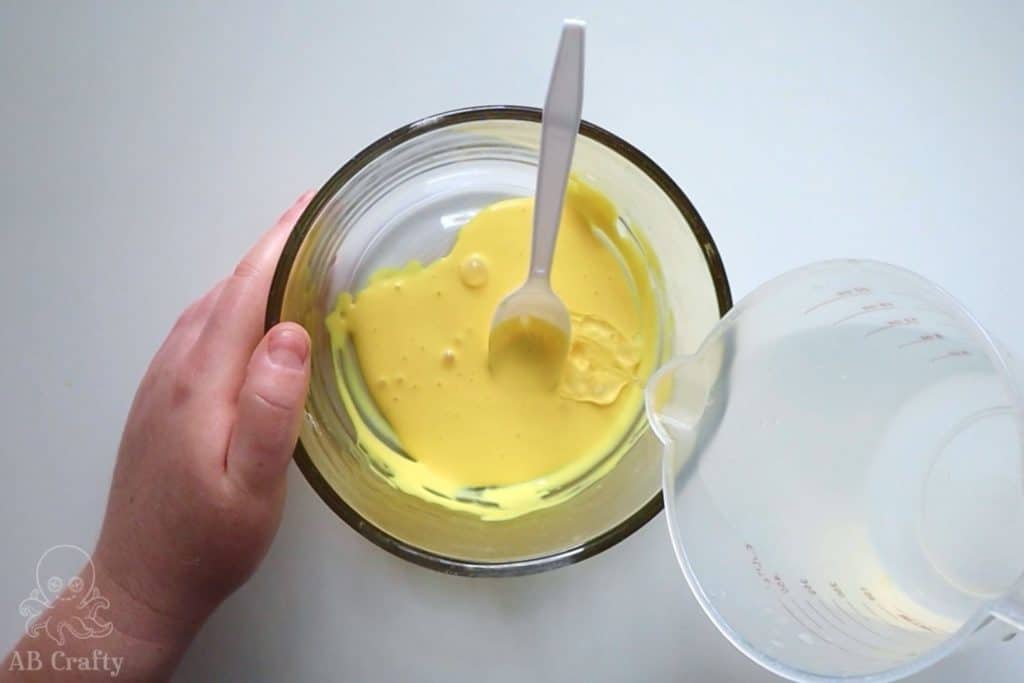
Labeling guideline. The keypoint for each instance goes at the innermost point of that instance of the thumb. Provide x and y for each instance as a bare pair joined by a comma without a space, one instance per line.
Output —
270,406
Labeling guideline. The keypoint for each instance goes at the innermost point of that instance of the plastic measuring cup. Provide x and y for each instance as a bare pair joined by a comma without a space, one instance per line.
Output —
844,474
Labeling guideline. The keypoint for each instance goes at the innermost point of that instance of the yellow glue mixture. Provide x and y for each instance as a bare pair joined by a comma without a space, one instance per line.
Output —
428,412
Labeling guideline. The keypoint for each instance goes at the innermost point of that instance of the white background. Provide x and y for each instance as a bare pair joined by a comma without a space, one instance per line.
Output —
145,145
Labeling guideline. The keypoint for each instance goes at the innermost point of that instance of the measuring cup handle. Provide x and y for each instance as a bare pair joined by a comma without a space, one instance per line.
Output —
1011,609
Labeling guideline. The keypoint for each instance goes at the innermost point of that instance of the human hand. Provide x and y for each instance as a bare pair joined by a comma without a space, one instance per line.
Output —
199,483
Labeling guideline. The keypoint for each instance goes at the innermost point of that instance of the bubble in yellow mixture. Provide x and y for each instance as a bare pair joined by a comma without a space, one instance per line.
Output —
473,271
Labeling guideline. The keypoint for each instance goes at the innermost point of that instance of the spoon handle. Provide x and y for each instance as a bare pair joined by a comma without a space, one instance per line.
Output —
559,125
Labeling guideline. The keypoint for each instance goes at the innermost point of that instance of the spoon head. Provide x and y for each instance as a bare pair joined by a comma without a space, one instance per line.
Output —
529,338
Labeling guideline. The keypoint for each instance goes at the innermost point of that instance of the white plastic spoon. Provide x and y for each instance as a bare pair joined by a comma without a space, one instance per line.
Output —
532,318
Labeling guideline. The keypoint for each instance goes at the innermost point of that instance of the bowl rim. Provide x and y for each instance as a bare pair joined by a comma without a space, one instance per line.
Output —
275,300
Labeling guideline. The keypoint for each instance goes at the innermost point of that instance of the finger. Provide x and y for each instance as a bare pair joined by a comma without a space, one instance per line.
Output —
191,322
195,316
235,324
198,314
270,406
202,308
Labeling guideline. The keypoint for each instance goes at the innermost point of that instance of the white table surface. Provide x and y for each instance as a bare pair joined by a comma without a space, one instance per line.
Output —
145,145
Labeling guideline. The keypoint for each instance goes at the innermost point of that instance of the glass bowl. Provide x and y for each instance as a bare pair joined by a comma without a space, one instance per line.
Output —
404,197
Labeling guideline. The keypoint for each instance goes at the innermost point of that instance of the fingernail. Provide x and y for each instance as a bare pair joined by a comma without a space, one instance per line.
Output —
288,348
305,197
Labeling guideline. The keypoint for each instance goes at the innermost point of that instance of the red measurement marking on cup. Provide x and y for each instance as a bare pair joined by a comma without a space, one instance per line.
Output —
830,623
898,616
862,613
809,589
873,603
867,308
865,611
890,324
851,615
879,617
839,296
812,627
858,619
900,639
849,636
959,353
915,622
923,339
755,562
